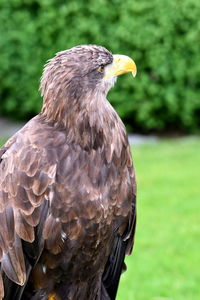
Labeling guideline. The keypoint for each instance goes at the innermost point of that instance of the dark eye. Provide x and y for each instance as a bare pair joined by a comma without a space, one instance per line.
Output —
101,69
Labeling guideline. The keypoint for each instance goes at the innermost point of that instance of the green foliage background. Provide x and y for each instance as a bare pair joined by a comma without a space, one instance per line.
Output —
162,37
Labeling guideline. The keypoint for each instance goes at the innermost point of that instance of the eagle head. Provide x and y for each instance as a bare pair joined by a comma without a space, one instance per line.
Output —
81,72
83,69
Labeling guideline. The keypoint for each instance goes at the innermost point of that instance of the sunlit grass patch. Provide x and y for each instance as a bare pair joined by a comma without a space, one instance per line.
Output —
165,262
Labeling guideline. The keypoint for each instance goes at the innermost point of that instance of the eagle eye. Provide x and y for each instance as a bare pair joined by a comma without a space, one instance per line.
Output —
101,69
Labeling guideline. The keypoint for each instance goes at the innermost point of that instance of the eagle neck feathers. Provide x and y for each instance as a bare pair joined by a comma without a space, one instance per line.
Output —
89,121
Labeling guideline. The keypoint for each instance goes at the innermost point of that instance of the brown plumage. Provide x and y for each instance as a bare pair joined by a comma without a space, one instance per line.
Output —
67,186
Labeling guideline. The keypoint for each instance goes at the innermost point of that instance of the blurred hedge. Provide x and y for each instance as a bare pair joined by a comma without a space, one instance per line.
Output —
162,37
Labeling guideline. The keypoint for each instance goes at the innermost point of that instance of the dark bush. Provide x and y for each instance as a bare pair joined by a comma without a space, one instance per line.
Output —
162,36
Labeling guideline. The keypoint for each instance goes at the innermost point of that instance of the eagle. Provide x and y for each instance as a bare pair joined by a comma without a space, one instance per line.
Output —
67,186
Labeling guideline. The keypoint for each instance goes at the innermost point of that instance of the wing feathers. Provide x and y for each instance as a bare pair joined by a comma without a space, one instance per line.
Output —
7,228
3,199
23,229
52,235
25,176
40,184
21,201
13,263
1,287
34,218
50,226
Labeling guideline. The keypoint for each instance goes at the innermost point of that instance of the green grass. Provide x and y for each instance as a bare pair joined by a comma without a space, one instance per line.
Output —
165,263
2,141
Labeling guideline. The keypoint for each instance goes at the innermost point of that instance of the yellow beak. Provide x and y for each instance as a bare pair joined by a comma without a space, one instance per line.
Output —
121,64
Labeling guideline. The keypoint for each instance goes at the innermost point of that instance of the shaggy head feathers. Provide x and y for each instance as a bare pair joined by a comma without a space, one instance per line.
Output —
73,83
75,72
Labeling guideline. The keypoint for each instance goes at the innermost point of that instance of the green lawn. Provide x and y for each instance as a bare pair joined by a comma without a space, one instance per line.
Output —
2,141
165,264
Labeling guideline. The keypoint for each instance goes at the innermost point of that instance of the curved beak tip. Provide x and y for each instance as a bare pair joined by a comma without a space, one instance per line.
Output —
134,73
124,64
121,64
